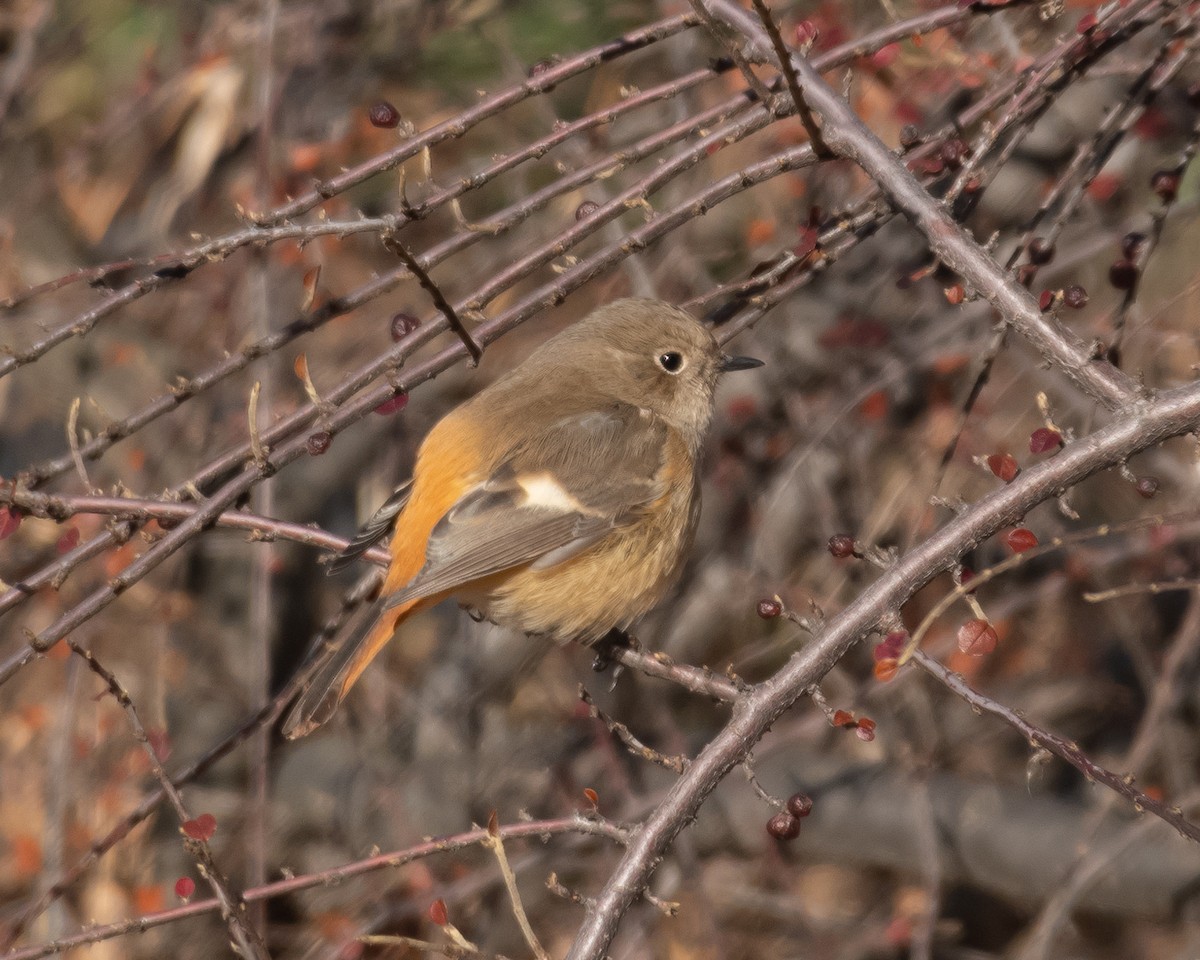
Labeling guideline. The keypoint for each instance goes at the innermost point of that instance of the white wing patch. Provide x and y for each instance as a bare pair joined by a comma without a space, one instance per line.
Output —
542,490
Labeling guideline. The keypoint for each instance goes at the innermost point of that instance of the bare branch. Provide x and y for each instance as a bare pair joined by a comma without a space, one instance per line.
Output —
585,826
1172,413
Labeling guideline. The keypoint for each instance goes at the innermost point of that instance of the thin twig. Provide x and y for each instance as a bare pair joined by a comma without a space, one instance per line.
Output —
784,56
1060,747
494,841
633,744
392,242
233,907
265,529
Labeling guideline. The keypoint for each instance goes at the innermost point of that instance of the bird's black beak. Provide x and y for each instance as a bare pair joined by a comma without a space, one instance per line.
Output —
729,363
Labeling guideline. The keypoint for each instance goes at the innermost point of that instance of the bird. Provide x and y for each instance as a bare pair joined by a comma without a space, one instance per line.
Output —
560,500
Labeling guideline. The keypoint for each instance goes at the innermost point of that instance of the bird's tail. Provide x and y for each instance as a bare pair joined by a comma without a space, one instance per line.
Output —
344,659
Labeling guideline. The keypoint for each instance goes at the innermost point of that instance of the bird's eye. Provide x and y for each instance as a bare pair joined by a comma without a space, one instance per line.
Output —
671,361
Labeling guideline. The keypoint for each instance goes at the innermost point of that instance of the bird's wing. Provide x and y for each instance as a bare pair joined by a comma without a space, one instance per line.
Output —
553,497
374,530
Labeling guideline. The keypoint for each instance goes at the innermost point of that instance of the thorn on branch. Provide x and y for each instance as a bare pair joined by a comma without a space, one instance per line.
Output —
257,447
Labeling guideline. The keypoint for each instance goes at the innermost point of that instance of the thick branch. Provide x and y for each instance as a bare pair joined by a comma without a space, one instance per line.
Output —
1171,414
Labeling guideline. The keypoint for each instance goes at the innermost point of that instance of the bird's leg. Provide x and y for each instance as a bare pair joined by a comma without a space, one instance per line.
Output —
615,639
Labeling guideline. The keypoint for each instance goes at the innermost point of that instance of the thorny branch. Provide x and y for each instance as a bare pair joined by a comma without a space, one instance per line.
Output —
213,491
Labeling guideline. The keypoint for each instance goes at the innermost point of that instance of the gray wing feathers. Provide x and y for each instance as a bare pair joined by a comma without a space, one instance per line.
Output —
461,552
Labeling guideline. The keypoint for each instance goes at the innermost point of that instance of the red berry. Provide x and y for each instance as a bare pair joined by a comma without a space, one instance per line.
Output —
1043,439
783,826
910,136
438,913
843,718
317,443
1131,245
769,609
1004,466
1021,539
977,638
1123,274
1075,297
202,828
184,888
952,153
1166,184
1040,251
392,404
841,545
933,165
402,325
1146,486
885,56
799,805
383,114
586,209
805,33
892,645
955,295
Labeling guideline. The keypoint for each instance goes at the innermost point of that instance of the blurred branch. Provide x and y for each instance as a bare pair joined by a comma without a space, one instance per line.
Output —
1168,687
592,826
264,717
541,82
248,940
1060,747
265,529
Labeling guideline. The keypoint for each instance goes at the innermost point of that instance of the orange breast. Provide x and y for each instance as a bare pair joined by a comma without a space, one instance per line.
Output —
448,464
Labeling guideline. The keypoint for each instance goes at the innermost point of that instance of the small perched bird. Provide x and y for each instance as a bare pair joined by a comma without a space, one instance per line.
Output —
560,500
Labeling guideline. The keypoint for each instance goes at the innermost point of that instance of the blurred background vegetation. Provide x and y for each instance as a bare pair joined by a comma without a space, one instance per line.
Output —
132,131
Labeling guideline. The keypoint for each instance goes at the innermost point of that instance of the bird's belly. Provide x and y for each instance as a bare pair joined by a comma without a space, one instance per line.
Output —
609,585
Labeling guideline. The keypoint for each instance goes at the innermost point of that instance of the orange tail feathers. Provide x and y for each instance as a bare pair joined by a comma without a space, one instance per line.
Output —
345,659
